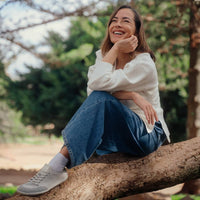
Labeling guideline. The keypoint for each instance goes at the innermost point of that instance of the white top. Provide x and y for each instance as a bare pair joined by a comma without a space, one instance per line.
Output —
138,75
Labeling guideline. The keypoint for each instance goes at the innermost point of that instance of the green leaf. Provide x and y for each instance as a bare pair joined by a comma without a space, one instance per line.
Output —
78,54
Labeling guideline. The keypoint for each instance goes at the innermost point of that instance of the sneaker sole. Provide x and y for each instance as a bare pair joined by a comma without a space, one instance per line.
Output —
39,193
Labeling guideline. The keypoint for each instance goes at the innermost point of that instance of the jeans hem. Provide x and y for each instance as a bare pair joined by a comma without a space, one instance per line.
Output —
70,164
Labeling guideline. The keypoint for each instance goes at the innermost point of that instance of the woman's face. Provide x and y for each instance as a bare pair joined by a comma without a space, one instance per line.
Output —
122,25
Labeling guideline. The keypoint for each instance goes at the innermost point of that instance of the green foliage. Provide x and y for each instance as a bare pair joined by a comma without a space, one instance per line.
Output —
173,79
52,94
11,126
78,54
3,80
10,121
10,190
48,95
181,196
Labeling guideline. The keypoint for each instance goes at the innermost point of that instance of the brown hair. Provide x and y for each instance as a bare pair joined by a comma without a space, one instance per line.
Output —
140,34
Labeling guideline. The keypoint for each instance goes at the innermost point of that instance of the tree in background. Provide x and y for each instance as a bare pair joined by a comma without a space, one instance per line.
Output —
193,121
193,118
10,121
51,94
34,14
41,94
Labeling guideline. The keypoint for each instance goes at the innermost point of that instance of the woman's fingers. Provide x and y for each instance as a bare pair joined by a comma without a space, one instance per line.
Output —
155,115
150,115
147,114
147,108
130,44
134,42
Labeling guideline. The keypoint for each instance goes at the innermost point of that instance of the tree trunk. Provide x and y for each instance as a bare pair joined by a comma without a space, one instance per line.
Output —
193,122
118,175
193,119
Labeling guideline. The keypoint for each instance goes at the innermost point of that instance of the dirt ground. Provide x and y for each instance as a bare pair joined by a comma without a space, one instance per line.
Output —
27,156
19,162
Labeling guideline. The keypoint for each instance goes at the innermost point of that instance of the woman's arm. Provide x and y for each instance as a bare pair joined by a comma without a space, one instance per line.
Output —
139,74
147,108
124,46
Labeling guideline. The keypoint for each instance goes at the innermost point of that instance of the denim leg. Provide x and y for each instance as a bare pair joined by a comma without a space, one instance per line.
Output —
104,124
83,133
122,130
152,141
127,133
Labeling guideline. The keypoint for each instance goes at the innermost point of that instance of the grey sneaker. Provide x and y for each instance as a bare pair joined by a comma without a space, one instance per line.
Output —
43,181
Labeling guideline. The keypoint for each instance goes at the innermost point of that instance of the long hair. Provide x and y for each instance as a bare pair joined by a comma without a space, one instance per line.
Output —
140,34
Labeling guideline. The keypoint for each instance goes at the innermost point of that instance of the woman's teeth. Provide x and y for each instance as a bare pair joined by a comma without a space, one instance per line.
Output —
118,33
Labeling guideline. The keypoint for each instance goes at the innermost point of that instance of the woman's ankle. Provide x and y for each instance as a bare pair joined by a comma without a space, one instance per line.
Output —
65,152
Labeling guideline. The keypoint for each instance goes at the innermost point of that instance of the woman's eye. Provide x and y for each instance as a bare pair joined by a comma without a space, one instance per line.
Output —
113,20
127,21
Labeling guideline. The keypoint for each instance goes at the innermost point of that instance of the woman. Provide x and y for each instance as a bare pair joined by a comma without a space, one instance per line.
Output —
122,112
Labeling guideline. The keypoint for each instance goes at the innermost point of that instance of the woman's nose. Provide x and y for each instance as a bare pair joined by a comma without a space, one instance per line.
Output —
118,24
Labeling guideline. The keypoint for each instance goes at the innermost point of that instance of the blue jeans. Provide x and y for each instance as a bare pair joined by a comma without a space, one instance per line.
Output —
103,124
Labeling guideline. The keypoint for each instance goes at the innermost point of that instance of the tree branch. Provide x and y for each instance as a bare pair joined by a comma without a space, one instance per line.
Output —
29,49
78,12
118,175
8,2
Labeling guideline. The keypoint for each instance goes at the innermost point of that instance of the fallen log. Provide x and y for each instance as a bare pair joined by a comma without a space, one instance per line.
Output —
118,175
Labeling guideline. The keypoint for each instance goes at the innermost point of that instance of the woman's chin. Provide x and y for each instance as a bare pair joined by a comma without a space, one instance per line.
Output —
116,40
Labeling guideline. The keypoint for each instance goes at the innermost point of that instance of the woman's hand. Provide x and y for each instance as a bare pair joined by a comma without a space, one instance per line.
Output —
147,108
127,45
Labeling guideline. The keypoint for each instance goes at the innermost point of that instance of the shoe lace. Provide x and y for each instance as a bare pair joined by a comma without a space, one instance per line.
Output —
38,177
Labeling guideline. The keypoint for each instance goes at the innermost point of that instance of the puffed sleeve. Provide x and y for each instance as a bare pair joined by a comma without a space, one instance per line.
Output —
138,75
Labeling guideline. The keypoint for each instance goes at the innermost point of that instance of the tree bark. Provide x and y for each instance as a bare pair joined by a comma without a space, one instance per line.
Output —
118,175
193,121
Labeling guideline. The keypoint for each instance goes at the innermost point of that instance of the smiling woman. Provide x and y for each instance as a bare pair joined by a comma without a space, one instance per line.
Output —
122,112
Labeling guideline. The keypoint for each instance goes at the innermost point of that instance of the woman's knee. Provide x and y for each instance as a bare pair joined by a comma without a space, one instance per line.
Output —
100,96
148,144
99,93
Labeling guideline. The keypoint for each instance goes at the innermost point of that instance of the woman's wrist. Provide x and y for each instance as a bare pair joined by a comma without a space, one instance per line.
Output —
115,48
111,56
134,95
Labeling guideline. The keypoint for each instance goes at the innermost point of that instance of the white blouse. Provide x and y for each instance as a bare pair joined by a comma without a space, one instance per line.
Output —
138,75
